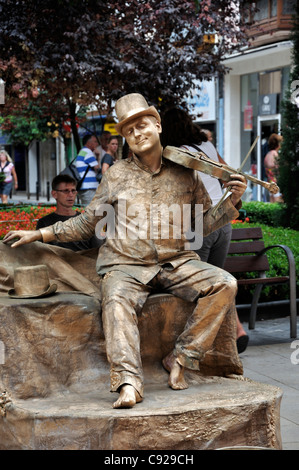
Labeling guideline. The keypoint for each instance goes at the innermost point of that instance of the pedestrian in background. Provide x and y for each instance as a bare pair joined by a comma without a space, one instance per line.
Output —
101,149
86,160
9,176
271,163
109,157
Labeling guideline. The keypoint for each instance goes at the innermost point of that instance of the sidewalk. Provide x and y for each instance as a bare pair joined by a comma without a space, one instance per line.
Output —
21,197
272,357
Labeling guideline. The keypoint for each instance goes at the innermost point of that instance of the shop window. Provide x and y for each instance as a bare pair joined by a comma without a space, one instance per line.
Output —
273,8
272,17
268,8
263,12
270,82
288,7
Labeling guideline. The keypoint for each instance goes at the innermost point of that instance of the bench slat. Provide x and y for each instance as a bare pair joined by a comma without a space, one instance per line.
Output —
246,263
263,280
247,233
246,247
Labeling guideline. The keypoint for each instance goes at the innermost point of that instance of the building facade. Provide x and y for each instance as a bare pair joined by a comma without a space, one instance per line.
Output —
255,86
37,165
246,102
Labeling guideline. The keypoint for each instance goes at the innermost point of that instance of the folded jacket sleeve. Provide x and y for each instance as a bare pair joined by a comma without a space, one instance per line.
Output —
212,220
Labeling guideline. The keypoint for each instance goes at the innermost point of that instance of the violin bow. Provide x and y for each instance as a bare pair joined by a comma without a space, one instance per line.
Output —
239,169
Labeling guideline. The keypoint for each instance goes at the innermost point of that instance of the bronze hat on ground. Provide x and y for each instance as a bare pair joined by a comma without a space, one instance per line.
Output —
131,106
32,282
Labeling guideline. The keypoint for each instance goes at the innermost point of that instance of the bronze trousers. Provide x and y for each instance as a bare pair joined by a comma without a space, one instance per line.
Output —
212,290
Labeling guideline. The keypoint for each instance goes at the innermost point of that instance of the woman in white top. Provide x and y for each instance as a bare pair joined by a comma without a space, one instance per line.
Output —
8,173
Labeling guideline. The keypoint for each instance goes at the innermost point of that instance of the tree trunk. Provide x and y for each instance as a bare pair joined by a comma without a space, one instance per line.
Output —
72,107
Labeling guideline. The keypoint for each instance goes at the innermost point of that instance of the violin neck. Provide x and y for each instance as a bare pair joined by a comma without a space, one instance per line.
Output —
272,187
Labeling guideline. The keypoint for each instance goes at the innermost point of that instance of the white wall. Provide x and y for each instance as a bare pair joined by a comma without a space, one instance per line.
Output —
60,155
32,165
232,120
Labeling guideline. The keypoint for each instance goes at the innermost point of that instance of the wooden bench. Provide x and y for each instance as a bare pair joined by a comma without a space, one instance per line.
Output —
247,253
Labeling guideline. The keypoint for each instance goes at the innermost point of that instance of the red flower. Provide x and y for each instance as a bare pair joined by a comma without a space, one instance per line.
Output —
22,219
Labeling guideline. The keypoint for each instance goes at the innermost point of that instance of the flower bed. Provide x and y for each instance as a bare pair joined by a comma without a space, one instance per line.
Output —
246,220
21,218
25,218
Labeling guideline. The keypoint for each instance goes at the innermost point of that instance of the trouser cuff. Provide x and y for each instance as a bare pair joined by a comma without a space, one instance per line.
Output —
121,378
188,359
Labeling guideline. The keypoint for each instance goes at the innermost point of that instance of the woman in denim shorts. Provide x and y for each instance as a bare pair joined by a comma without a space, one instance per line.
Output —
8,171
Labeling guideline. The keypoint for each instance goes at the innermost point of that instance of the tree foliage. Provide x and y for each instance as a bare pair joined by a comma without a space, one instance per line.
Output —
165,45
51,53
289,154
75,53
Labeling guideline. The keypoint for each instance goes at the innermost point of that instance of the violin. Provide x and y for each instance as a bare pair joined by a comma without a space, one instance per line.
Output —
201,162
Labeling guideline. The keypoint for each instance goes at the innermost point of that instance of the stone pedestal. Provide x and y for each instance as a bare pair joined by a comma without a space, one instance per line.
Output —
56,374
212,413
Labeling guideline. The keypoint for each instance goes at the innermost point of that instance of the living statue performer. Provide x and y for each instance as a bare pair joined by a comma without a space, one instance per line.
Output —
131,267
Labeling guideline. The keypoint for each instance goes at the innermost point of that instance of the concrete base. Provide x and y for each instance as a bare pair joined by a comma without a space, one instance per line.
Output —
57,376
213,413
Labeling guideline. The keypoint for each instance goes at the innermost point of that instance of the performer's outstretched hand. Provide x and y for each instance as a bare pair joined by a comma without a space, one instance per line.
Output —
23,236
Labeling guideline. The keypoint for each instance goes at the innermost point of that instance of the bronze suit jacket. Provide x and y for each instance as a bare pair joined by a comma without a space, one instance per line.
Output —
146,215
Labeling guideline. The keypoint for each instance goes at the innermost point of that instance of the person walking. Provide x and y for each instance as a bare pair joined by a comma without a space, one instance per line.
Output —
271,163
109,157
86,159
9,176
101,149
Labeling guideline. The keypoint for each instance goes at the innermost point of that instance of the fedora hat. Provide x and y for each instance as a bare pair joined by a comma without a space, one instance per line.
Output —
132,106
31,282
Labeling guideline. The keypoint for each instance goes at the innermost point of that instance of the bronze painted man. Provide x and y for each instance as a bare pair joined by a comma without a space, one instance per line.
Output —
132,266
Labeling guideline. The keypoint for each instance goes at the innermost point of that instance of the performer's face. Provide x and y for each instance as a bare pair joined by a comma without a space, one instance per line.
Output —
142,134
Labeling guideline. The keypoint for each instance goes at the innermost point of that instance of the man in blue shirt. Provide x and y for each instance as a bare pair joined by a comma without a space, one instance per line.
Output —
86,157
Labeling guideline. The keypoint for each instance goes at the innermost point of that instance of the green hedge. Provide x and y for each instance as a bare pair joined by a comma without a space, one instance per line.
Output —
273,214
277,260
272,218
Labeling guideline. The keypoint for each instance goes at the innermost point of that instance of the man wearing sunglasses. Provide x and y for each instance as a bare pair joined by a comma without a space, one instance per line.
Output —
65,193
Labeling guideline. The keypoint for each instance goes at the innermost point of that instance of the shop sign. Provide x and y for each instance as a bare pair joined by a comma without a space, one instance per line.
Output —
110,127
267,104
202,101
